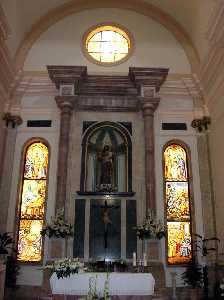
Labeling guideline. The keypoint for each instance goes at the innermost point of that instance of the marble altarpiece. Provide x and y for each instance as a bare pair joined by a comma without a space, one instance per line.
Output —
106,206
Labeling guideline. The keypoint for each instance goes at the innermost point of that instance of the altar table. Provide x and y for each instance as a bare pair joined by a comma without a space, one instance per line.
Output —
121,285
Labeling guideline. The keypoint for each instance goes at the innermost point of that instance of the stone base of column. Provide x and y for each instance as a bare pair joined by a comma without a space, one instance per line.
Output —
152,249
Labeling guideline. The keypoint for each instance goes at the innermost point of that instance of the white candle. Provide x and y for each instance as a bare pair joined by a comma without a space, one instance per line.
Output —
134,259
144,260
205,110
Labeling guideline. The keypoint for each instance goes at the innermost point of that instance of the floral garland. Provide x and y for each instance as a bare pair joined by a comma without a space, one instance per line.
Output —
58,227
65,267
150,228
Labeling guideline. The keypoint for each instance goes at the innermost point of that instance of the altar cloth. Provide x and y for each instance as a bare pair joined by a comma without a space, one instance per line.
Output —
120,284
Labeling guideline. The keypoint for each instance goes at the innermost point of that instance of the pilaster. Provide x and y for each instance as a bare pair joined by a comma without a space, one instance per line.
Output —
12,123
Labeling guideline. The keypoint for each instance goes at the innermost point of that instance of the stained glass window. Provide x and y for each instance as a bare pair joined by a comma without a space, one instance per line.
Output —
107,44
177,205
32,203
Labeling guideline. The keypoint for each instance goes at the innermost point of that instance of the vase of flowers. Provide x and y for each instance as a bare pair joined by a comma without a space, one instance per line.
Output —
150,227
58,227
65,267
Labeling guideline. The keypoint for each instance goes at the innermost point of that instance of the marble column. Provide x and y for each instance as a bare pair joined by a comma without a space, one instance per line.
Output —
149,106
66,105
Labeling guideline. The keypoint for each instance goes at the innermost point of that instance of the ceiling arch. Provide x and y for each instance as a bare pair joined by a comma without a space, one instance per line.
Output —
76,6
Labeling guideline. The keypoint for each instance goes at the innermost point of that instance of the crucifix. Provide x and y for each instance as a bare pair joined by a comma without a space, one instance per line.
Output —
106,220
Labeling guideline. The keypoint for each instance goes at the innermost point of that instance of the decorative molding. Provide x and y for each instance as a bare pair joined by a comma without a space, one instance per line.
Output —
201,124
7,71
108,93
149,80
67,75
76,6
39,83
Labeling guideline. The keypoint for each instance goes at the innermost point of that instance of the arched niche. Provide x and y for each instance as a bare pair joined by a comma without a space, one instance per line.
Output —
106,159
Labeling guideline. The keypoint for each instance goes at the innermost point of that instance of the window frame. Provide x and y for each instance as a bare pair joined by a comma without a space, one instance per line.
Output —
25,148
186,148
107,64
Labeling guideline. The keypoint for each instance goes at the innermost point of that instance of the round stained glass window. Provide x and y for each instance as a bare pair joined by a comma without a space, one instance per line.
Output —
107,45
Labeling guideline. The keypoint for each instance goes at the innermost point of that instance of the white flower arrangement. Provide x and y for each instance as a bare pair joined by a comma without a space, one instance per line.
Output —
58,227
65,267
92,293
150,228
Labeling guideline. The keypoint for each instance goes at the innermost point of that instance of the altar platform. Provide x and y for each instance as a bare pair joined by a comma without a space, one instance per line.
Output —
121,285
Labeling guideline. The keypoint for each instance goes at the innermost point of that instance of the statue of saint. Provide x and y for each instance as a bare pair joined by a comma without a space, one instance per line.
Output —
106,158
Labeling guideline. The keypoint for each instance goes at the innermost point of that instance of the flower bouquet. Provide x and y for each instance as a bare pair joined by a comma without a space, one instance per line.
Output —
65,267
150,228
58,227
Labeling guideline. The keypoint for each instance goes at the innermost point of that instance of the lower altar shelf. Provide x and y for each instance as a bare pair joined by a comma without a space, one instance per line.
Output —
121,285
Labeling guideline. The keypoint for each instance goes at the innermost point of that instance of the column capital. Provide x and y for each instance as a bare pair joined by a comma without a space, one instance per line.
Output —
149,105
66,103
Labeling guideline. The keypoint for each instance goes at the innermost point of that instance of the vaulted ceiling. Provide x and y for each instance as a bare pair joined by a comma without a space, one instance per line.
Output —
192,15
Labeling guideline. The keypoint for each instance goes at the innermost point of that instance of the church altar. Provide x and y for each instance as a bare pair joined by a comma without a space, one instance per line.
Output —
121,285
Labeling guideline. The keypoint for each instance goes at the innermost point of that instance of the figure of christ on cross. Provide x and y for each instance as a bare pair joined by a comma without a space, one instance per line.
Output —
106,220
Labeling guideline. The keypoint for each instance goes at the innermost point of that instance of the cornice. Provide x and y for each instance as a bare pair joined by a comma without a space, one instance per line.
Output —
39,83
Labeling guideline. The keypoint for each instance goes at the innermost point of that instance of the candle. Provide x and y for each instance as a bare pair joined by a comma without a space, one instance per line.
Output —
144,260
134,259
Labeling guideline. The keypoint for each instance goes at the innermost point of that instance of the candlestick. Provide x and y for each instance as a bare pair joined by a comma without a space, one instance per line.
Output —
144,260
134,261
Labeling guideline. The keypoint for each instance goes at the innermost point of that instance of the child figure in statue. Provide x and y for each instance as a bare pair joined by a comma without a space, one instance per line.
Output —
106,159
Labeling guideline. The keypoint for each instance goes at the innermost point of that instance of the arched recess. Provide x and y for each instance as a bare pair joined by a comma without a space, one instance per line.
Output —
33,186
178,202
94,140
76,6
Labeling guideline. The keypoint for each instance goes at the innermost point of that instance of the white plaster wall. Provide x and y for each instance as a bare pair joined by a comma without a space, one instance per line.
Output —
172,111
154,45
35,108
217,150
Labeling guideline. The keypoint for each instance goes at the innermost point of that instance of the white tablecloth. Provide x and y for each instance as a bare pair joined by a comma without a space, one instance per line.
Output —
141,284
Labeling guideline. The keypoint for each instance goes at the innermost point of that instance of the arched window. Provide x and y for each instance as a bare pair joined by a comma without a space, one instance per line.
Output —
177,197
32,202
106,159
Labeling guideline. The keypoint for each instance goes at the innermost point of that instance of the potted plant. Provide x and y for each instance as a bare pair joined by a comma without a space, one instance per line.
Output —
193,277
6,242
205,247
